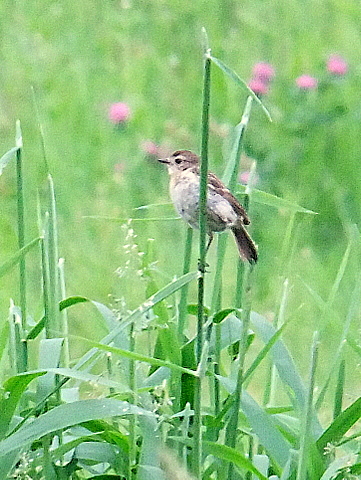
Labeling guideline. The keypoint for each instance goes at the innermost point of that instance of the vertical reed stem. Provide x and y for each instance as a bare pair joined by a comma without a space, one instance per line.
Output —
21,223
197,448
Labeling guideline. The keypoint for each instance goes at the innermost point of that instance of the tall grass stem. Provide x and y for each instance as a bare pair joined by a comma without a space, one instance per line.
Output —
21,221
197,449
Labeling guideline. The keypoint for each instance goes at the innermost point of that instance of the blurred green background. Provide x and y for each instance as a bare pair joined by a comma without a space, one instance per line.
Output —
81,57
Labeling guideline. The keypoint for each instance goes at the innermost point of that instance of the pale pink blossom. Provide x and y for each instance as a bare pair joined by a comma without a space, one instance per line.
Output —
337,65
119,112
150,148
245,178
258,86
263,71
306,82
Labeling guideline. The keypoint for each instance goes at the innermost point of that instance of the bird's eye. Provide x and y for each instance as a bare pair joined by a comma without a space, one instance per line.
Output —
178,161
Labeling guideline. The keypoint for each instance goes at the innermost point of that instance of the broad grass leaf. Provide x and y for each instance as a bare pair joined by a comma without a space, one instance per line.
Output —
150,449
222,314
50,350
8,462
66,415
337,465
13,389
97,452
285,367
262,424
86,377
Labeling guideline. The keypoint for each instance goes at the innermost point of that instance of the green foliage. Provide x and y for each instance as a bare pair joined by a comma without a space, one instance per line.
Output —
98,388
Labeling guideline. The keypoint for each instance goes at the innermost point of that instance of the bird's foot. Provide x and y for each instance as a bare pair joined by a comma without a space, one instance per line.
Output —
202,266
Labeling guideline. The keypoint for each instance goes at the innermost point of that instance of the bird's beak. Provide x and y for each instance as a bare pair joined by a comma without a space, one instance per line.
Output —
164,160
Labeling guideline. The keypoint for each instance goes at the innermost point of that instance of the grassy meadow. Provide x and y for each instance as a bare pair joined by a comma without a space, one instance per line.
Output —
85,173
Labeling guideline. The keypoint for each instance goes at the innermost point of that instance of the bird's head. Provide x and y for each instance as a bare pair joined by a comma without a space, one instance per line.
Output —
180,160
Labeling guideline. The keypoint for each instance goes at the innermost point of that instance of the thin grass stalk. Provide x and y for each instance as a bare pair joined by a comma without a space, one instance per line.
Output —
19,361
231,433
307,414
64,315
197,448
133,419
243,299
230,179
182,307
271,371
53,258
249,475
278,322
40,127
21,221
44,244
351,314
337,408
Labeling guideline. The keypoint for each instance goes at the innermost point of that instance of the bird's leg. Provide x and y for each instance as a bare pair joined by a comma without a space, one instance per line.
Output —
202,268
209,241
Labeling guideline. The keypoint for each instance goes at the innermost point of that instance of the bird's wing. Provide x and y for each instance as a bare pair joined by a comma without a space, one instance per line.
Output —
216,185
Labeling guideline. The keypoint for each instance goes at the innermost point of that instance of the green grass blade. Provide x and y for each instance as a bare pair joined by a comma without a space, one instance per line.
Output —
50,350
340,425
337,407
64,315
307,414
21,221
182,315
127,219
7,157
285,366
138,313
15,259
265,198
241,83
351,314
262,424
227,454
53,259
65,416
157,362
231,171
13,389
263,353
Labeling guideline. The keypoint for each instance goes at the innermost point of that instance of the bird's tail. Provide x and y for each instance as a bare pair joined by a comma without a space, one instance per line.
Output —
246,247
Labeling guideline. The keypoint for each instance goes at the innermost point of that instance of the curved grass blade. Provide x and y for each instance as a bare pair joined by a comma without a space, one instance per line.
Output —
273,201
225,453
6,158
14,260
340,425
13,389
241,83
65,416
157,362
285,366
127,219
137,314
307,462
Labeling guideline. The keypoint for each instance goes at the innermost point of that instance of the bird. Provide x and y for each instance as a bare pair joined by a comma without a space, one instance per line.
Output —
223,209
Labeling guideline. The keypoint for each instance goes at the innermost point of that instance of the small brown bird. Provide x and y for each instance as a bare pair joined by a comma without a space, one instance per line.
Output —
223,209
